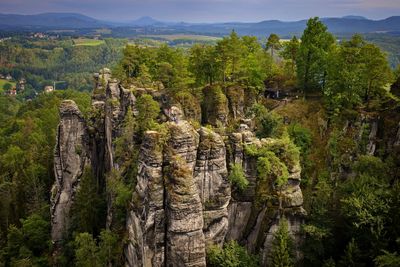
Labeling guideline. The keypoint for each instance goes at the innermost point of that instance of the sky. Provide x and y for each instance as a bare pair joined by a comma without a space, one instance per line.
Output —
207,10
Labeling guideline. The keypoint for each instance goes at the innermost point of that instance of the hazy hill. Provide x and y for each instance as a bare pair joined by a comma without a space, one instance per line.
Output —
348,24
50,20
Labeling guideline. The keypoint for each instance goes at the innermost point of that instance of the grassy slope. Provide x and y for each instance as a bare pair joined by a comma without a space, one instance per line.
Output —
3,82
189,37
87,42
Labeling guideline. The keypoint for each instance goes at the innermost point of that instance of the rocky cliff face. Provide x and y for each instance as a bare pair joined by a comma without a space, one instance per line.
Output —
183,201
70,158
253,223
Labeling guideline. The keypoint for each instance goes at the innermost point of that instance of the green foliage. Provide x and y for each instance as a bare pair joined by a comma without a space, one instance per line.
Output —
269,124
231,255
318,229
110,250
7,86
283,148
233,59
89,206
203,64
214,105
29,243
119,191
387,259
237,177
86,251
290,51
41,63
352,200
89,253
365,205
282,246
189,104
370,165
148,110
124,144
274,158
27,141
358,72
268,164
301,137
273,43
312,62
351,255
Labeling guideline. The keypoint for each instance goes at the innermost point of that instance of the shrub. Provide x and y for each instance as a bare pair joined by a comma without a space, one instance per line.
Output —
301,137
268,123
237,177
282,246
148,110
231,255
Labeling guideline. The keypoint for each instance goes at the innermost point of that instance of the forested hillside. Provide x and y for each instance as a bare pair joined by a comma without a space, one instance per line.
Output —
285,153
68,63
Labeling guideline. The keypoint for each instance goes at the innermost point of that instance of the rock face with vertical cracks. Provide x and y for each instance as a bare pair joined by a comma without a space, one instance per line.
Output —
165,222
185,238
213,186
69,162
146,219
252,223
182,202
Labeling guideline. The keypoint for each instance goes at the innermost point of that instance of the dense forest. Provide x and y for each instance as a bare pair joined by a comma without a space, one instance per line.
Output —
334,105
62,61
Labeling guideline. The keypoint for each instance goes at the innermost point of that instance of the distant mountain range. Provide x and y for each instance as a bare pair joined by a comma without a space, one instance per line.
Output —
343,25
49,20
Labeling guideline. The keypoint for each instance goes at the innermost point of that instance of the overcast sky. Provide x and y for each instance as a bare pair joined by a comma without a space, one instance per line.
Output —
207,10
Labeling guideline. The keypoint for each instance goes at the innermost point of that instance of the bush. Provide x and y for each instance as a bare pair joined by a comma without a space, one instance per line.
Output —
370,165
28,244
231,255
237,177
282,246
269,124
387,259
7,86
106,253
301,137
148,110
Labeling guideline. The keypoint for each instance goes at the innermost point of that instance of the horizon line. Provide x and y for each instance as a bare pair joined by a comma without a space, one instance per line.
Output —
182,21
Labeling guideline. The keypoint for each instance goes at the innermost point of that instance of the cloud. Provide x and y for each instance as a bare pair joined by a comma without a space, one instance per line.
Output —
207,10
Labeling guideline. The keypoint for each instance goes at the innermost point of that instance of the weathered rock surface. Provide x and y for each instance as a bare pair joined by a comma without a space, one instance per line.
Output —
214,107
146,219
235,95
253,223
183,201
185,238
213,186
70,159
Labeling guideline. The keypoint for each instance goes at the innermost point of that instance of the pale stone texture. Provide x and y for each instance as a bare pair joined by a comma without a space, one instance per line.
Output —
70,159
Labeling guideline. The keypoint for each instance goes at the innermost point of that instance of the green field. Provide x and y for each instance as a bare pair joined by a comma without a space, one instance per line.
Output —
87,42
103,31
189,37
3,82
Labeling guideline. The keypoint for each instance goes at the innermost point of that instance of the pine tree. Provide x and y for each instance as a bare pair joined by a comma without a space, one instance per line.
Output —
282,255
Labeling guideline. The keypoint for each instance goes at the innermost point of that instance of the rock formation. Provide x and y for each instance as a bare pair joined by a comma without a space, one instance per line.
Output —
183,201
146,218
70,159
213,186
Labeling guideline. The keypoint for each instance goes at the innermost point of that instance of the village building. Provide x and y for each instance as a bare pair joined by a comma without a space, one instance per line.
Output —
21,85
12,92
39,35
48,89
9,77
